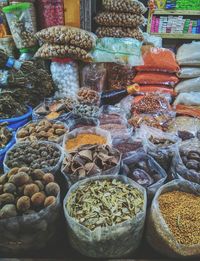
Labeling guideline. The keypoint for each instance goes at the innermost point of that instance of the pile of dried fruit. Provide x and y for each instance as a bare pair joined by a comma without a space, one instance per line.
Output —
42,130
103,203
36,155
88,96
25,191
90,160
5,135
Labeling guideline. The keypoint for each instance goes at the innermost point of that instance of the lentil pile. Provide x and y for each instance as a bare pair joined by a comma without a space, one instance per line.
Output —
181,212
104,203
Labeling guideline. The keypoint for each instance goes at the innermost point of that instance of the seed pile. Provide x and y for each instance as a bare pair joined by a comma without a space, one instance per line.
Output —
26,191
42,130
181,212
33,154
104,203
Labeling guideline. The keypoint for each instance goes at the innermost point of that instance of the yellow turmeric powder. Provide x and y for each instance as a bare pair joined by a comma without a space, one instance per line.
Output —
83,139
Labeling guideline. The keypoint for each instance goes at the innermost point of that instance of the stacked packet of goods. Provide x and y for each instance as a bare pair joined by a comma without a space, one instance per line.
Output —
158,72
65,42
121,18
188,99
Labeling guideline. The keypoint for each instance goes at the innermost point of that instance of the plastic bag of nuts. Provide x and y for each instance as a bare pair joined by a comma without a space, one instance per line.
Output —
42,130
186,162
29,210
119,32
101,237
173,224
66,35
49,51
119,19
43,155
22,25
129,6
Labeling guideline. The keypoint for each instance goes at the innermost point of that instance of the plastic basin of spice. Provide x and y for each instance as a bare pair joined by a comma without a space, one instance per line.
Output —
15,123
5,149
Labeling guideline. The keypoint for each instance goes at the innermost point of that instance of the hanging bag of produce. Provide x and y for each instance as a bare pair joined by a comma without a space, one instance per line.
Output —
117,215
144,170
21,24
65,75
173,227
186,162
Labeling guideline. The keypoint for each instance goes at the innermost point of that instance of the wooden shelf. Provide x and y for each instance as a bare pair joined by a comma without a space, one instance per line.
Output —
177,36
176,12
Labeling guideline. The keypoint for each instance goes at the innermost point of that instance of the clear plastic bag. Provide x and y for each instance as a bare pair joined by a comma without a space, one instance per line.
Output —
50,51
129,6
87,130
8,46
52,169
65,75
134,164
22,25
189,72
75,123
191,98
185,161
190,85
189,54
106,242
158,59
156,41
119,19
125,51
156,78
94,76
75,164
158,233
67,35
29,232
119,32
159,145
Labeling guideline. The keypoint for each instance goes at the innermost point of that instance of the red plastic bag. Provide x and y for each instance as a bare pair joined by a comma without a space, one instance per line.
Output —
156,78
156,89
158,59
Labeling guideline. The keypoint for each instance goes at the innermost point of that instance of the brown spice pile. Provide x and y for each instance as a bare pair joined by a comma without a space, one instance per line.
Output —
181,212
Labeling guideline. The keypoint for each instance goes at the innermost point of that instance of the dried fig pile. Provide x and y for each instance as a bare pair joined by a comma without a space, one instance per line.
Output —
90,160
36,155
42,130
25,191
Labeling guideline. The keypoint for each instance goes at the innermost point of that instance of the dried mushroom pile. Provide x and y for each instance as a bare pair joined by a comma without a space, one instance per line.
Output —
25,191
90,160
116,202
121,19
42,130
35,155
65,41
5,135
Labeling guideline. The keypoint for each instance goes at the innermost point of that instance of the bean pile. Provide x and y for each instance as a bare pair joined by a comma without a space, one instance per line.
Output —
180,211
25,191
36,155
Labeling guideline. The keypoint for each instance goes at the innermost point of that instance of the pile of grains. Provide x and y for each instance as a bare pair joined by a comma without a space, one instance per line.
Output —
181,212
103,203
